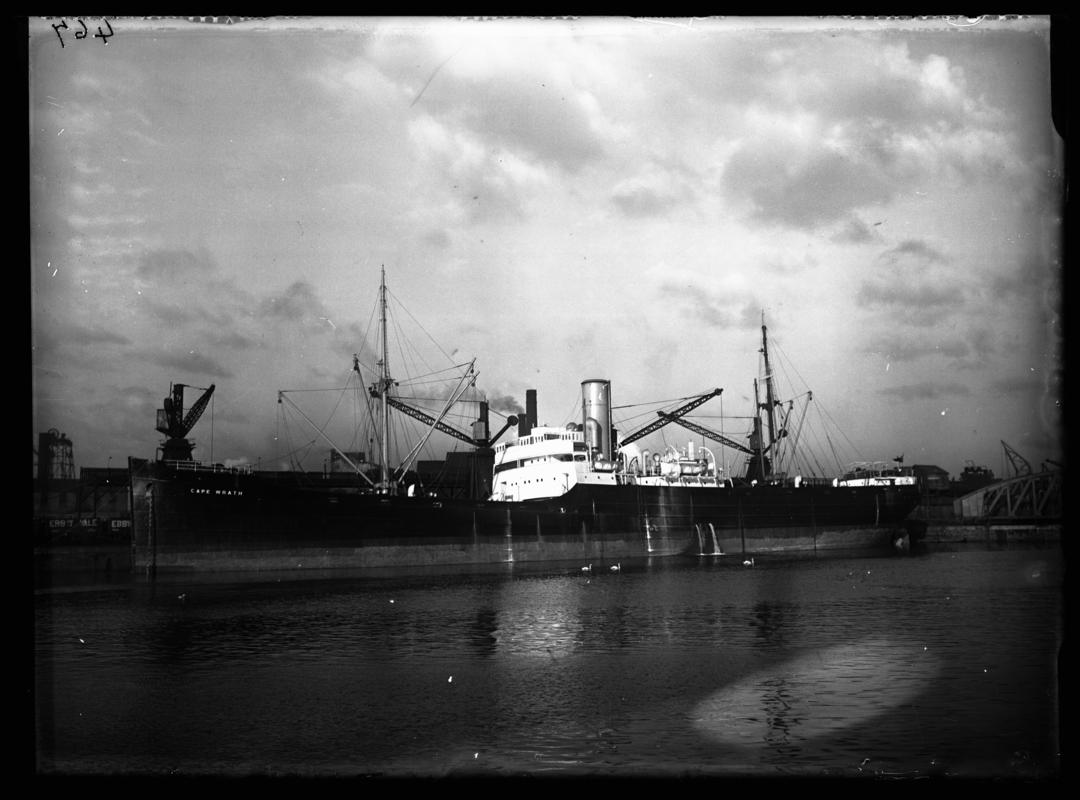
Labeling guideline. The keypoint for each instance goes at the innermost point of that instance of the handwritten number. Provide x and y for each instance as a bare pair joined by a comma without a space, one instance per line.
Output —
84,32
63,24
104,37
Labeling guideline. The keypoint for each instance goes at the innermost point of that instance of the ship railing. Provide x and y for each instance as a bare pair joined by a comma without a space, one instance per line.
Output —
199,466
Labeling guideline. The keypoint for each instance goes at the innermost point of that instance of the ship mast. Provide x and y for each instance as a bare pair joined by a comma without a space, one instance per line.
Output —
384,387
770,400
757,463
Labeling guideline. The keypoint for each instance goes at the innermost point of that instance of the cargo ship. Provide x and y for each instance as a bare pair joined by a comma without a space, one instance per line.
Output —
580,493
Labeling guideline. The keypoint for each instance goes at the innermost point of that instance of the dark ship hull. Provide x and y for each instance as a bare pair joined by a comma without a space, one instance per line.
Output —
191,518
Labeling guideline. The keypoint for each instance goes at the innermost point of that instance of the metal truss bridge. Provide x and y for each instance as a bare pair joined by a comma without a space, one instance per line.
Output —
1034,497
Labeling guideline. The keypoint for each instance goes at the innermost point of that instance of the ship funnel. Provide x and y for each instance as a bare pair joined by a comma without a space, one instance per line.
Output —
596,415
530,406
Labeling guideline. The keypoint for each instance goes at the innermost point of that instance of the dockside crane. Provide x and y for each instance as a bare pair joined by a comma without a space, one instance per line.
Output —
1019,464
172,421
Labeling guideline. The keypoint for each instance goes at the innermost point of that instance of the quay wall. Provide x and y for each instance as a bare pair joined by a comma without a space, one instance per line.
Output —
992,533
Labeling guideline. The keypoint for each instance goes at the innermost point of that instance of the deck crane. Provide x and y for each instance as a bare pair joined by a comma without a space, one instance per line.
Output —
670,416
416,413
172,421
380,390
758,465
709,434
438,424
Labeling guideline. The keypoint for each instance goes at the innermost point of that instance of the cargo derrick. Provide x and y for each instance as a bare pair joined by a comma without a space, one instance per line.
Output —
172,422
758,464
670,416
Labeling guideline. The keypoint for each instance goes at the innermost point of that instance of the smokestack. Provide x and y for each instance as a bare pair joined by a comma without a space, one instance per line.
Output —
525,421
530,406
596,414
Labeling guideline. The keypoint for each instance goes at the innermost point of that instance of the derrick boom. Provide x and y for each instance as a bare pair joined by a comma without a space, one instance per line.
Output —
709,434
670,416
416,413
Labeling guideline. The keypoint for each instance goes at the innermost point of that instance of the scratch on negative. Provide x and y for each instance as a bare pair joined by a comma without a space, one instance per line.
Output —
433,74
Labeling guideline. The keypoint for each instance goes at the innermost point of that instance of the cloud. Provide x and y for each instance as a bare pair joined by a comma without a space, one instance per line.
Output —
650,194
927,391
824,148
914,249
82,222
855,231
193,363
641,201
1032,383
171,314
231,340
175,266
298,303
735,313
84,194
475,184
81,335
900,350
524,106
438,238
914,297
800,190
703,305
48,340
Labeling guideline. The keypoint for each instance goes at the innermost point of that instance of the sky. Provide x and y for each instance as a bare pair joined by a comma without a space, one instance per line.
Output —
561,200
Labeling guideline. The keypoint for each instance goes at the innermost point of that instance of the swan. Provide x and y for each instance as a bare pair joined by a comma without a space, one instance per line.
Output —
749,562
616,567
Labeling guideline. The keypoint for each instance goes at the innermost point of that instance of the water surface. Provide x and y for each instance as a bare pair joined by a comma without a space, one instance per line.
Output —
939,663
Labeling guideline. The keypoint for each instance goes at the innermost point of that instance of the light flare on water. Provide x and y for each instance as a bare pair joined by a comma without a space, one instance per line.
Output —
817,694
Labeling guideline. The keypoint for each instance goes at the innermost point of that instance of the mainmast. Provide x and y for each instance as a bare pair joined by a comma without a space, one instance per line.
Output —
384,387
770,400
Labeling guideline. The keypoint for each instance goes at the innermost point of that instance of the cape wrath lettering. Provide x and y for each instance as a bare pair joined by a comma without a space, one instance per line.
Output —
223,492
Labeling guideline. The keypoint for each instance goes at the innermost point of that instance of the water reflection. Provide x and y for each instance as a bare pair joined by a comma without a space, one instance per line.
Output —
817,694
671,668
485,629
769,621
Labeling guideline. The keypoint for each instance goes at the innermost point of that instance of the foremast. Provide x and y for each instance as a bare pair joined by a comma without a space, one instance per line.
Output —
381,389
770,392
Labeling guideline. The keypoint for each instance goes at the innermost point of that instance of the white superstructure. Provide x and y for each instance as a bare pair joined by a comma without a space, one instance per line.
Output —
548,462
876,473
545,462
